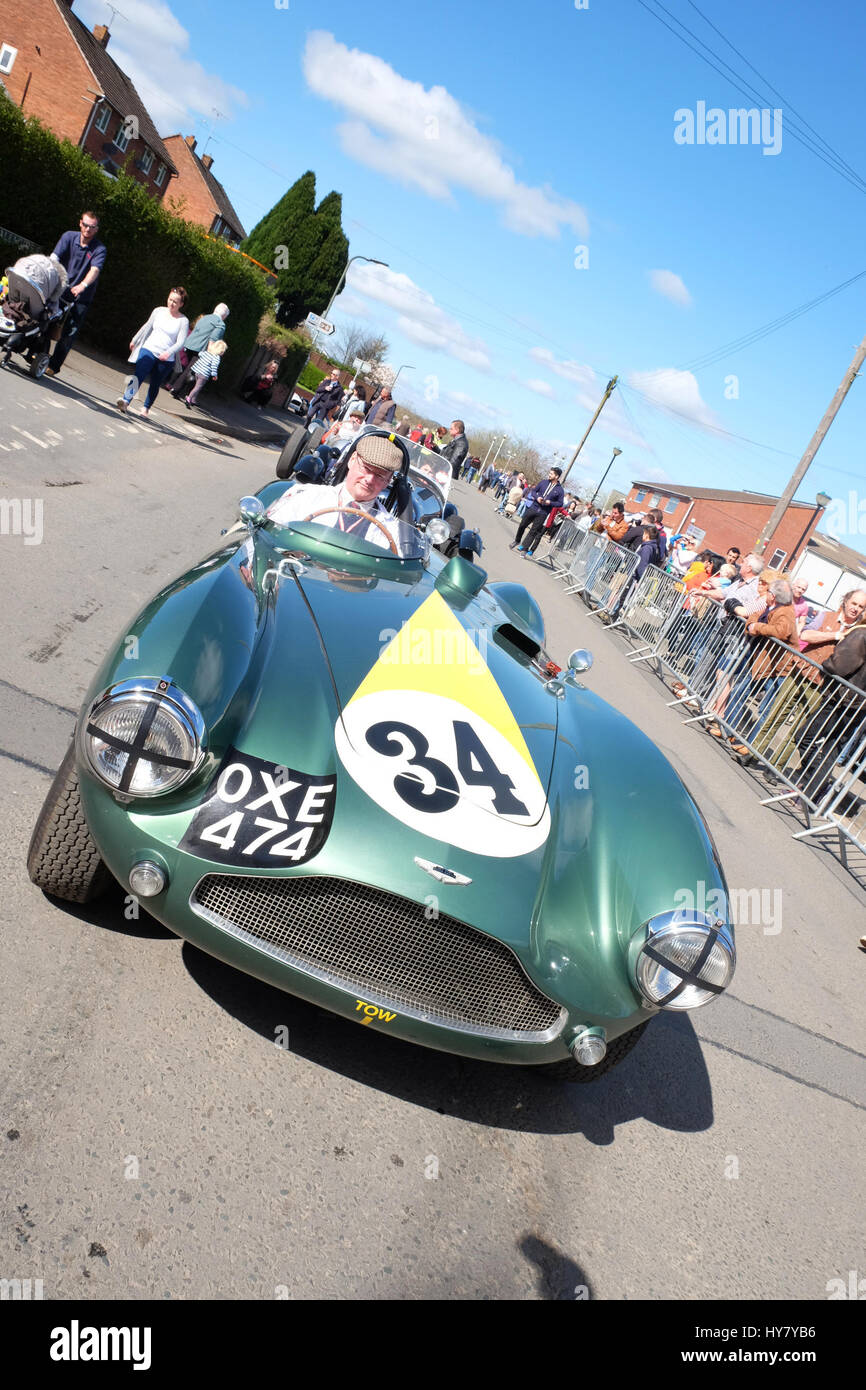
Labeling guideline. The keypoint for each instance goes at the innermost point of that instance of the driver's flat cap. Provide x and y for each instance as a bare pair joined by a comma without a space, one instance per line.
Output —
379,452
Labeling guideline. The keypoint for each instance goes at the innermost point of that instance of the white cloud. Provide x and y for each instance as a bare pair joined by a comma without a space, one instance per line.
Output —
151,46
671,286
567,368
541,388
675,392
419,316
424,138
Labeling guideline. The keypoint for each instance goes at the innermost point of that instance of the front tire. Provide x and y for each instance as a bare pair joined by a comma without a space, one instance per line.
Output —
572,1071
291,452
63,858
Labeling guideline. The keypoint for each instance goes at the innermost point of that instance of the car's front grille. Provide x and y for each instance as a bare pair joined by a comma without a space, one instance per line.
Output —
384,948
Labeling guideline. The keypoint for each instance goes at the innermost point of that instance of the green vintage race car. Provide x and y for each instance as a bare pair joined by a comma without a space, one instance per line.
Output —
350,770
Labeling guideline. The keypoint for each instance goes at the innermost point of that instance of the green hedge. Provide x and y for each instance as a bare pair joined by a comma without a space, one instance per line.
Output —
47,184
310,377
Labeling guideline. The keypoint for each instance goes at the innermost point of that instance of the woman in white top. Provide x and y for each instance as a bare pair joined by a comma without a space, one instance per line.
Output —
154,348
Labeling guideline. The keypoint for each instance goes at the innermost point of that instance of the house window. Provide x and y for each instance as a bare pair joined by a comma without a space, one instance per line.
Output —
8,54
104,117
671,505
160,176
121,138
776,559
146,161
217,227
639,496
654,500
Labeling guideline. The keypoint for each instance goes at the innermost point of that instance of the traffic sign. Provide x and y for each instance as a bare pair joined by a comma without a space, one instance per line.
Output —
320,325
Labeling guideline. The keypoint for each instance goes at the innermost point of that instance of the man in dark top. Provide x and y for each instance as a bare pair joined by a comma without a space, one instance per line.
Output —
457,447
541,499
83,255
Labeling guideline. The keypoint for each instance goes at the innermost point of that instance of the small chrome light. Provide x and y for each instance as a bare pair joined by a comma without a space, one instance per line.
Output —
682,959
580,660
588,1047
146,879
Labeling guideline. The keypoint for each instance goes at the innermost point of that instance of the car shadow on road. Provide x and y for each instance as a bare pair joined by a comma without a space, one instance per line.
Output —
664,1080
108,912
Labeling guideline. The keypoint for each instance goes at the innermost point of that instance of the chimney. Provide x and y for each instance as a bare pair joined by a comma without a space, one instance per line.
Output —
189,140
207,160
101,34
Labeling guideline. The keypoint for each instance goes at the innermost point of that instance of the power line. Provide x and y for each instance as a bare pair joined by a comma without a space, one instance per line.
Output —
788,104
766,329
736,80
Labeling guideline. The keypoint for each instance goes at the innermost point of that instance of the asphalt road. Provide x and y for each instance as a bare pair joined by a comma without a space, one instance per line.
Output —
156,1143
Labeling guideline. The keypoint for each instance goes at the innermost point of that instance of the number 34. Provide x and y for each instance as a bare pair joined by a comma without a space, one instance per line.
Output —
428,784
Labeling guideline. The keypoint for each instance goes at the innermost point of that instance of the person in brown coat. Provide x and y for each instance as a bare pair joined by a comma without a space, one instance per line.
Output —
770,661
800,690
617,526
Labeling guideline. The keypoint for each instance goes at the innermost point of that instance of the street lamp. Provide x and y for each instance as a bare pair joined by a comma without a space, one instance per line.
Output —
407,365
821,501
340,283
616,454
492,442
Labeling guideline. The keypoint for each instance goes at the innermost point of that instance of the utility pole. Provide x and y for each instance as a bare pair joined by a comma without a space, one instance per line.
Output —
814,444
607,391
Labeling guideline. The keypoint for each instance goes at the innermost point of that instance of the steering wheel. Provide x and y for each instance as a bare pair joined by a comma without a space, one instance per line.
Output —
356,511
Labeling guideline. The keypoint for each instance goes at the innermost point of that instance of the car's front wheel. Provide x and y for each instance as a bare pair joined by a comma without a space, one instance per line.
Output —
569,1070
63,858
291,452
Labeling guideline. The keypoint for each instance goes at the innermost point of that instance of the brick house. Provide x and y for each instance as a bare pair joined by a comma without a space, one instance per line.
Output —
205,201
718,519
54,68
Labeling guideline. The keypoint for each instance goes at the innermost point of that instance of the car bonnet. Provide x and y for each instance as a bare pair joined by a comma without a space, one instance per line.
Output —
442,723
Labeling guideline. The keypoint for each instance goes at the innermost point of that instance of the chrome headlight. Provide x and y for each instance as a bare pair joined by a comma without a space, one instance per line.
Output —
682,959
438,530
143,737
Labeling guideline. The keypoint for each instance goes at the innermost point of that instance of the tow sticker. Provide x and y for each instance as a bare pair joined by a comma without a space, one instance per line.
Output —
429,736
261,814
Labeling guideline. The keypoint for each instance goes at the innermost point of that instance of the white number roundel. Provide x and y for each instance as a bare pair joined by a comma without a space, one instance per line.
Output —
443,769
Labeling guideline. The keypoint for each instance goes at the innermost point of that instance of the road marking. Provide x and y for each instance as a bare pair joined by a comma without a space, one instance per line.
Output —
31,437
53,438
108,432
57,405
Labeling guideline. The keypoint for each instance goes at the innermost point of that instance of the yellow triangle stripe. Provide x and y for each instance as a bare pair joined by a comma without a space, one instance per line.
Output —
433,653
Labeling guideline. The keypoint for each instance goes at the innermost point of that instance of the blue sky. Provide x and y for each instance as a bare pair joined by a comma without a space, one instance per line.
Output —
476,146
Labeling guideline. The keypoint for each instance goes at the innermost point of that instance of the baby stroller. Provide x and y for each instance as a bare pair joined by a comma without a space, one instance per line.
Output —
34,310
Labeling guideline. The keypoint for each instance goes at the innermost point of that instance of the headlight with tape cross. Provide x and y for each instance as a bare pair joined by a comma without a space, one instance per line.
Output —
682,959
143,737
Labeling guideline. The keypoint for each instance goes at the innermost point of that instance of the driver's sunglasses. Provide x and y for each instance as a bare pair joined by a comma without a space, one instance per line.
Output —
89,226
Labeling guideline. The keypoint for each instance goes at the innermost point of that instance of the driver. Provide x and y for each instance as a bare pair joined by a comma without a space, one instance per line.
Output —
372,465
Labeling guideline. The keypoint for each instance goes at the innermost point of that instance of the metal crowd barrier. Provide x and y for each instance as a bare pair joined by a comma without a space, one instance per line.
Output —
601,571
564,544
768,701
772,703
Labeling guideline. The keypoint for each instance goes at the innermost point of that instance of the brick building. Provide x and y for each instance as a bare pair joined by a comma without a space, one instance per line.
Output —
718,519
53,67
204,200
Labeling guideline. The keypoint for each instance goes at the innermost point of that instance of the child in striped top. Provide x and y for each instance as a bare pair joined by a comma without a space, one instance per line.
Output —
205,366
